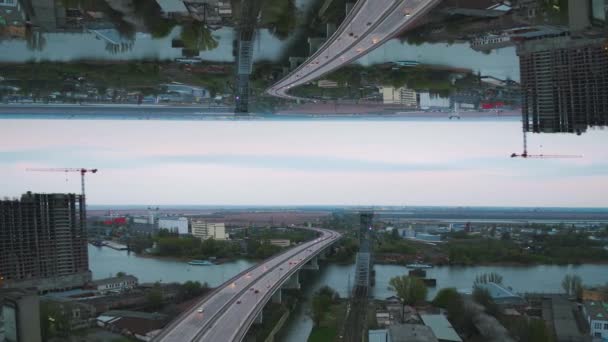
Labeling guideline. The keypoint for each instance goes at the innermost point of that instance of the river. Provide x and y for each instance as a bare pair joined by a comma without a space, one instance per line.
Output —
543,278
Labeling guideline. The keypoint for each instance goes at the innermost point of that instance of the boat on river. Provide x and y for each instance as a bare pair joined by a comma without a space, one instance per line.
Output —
417,266
200,263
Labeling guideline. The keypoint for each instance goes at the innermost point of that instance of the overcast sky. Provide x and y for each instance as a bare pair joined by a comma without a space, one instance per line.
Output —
307,162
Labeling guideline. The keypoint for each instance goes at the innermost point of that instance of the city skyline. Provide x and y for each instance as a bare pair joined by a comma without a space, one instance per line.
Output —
304,163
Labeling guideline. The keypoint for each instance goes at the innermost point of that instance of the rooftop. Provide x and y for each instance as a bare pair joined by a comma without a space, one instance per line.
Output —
441,327
597,310
411,333
500,294
114,280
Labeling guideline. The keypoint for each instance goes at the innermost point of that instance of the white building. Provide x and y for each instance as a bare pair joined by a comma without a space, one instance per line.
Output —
428,100
115,283
178,225
141,220
280,242
207,230
403,96
596,314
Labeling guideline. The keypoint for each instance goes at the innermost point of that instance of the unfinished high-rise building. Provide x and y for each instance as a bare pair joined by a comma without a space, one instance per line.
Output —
564,83
43,242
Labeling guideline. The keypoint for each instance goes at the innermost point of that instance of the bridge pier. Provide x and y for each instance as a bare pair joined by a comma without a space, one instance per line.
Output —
258,319
313,264
293,283
277,297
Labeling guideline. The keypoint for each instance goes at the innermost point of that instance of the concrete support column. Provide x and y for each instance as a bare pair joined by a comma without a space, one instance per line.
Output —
312,264
277,297
258,319
293,282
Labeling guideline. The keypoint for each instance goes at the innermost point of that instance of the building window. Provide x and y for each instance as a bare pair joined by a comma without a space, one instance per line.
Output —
597,326
605,326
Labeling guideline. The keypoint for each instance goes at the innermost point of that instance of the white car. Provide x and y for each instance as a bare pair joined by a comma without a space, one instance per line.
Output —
201,310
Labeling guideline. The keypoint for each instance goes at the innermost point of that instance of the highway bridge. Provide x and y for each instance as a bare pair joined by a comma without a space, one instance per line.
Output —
367,26
227,313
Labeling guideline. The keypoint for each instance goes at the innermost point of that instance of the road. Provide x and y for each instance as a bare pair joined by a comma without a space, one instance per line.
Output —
229,310
366,27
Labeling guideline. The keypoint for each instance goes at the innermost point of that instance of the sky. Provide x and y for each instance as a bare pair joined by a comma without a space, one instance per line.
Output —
435,162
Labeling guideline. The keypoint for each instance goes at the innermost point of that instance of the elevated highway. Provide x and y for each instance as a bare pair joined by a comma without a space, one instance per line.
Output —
369,24
229,311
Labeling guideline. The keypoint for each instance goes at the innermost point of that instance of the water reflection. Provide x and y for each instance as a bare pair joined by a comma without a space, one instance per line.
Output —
460,56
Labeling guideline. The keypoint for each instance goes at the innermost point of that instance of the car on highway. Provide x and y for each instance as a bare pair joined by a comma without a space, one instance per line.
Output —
201,310
238,302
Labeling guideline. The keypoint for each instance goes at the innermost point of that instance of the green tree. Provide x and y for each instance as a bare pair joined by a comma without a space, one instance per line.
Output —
445,296
573,285
411,290
121,274
483,297
155,297
485,278
197,36
321,302
54,321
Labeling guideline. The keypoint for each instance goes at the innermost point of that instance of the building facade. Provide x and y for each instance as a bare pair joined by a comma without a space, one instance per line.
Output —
564,83
18,307
206,230
402,96
596,314
178,225
43,242
115,284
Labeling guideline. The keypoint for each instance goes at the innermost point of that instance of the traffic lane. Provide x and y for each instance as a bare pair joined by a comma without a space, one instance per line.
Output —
247,303
193,326
368,14
395,19
190,325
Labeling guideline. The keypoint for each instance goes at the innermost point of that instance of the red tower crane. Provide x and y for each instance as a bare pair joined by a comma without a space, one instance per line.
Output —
525,154
66,170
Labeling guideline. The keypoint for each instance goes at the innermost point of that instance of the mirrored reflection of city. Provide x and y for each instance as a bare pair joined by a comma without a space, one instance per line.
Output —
303,170
546,59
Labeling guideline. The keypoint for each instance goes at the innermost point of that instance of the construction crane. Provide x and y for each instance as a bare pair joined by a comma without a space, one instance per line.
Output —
525,154
66,170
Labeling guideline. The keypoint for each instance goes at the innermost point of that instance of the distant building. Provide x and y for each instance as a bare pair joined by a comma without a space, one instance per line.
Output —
383,318
596,314
12,19
177,225
280,242
115,284
43,242
20,309
402,96
327,84
428,237
429,101
564,82
441,327
411,333
207,230
172,8
502,296
141,325
596,294
380,335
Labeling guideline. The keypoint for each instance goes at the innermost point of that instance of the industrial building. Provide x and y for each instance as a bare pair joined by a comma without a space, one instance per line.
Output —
178,225
206,230
20,310
564,83
596,314
402,96
43,242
